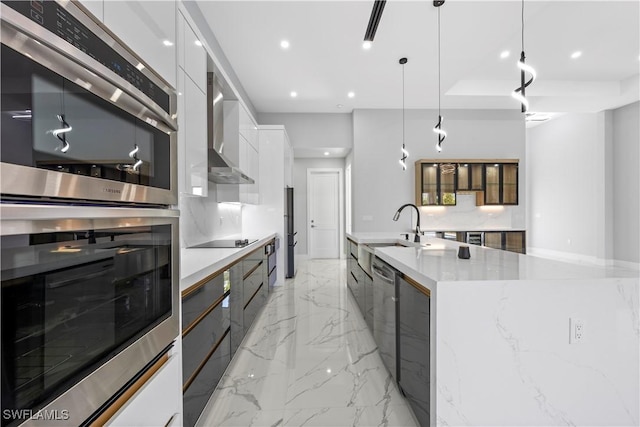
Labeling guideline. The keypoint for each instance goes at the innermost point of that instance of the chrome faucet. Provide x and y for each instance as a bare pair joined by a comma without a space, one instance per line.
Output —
416,239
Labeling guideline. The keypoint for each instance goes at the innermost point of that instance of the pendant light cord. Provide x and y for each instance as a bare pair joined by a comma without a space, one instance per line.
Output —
402,105
522,50
439,62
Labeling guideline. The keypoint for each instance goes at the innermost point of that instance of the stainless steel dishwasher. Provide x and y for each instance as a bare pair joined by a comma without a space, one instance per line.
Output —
385,301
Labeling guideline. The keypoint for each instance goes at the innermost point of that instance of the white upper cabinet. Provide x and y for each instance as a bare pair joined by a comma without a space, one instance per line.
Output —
241,148
192,110
248,127
193,136
149,29
195,58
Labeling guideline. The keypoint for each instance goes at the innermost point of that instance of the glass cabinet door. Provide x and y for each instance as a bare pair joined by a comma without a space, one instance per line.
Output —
492,184
429,190
448,187
464,178
477,175
510,184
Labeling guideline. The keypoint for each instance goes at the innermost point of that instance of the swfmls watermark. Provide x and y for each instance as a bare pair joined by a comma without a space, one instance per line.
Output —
41,415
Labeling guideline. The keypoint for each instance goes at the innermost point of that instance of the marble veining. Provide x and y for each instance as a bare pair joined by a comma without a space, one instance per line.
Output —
308,360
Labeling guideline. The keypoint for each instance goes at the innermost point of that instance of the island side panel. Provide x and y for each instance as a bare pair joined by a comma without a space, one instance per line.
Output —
504,357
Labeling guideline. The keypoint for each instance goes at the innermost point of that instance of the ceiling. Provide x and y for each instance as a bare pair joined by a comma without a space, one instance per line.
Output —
326,60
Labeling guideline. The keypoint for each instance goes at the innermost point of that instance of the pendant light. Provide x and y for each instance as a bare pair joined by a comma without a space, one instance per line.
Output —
442,134
405,153
519,92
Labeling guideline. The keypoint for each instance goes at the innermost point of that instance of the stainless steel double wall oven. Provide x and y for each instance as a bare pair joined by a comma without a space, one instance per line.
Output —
89,241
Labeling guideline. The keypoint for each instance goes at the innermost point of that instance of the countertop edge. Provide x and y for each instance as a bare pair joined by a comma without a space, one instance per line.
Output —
220,258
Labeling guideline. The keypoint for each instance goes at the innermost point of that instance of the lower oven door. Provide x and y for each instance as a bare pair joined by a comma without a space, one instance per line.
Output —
89,298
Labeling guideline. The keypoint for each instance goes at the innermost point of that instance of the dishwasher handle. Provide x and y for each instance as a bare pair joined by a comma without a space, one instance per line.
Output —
380,274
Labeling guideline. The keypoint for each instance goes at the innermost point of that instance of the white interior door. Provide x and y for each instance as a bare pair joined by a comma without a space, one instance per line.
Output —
324,213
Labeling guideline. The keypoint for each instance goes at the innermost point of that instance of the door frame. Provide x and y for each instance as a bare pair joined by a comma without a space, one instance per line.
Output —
340,172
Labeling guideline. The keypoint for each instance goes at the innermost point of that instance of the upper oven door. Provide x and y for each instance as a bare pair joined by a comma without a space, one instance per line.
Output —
82,117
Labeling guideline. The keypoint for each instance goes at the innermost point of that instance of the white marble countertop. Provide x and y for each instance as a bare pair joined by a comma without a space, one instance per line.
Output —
198,263
436,260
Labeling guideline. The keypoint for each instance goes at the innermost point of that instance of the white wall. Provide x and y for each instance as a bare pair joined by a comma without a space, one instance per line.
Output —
379,184
626,183
566,171
313,130
584,187
300,167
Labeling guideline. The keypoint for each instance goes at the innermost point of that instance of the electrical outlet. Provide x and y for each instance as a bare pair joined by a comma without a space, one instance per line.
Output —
577,329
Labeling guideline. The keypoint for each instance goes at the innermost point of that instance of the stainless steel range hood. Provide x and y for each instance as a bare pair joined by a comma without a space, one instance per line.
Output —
220,169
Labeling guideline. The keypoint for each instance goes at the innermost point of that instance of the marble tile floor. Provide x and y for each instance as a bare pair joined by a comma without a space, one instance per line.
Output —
308,360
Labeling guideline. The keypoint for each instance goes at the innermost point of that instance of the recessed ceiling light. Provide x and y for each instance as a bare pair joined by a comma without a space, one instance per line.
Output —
576,54
167,42
366,45
339,105
505,54
284,44
198,43
351,94
326,153
294,94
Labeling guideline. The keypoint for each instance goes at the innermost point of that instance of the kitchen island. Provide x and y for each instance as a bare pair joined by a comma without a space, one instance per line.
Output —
501,345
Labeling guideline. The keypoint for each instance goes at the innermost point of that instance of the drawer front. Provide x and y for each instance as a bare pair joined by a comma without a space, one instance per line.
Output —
271,261
353,249
198,394
273,276
253,282
199,341
251,260
251,311
199,300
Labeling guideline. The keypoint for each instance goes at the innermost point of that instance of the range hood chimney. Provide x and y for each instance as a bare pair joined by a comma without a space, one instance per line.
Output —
219,169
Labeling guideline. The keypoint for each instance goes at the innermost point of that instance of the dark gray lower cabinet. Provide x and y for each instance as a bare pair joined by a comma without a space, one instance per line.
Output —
413,348
253,307
368,300
217,313
197,344
200,390
249,297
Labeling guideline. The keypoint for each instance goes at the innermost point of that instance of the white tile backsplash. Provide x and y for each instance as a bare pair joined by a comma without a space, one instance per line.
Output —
466,215
203,219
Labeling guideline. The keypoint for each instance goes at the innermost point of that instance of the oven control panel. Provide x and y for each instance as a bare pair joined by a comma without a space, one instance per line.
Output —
57,20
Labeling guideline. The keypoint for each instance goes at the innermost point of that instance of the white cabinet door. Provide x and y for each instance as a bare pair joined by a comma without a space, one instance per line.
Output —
244,166
149,29
195,139
158,401
95,7
248,128
253,167
195,58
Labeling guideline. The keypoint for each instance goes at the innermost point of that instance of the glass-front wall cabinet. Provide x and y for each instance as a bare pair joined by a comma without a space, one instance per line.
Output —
471,177
436,185
495,181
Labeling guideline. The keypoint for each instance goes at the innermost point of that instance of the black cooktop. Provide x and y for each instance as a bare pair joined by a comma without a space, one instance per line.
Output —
239,243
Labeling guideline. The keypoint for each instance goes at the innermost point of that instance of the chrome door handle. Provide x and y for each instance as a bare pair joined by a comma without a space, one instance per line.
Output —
394,299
